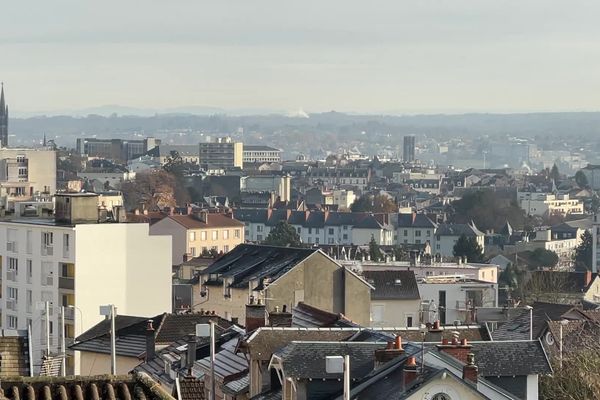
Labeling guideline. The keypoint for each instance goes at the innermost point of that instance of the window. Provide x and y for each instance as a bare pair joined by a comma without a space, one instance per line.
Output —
236,233
12,322
225,234
345,236
215,235
66,244
47,238
428,232
418,233
203,235
299,230
409,321
192,236
259,228
28,241
309,231
13,265
331,231
317,240
345,227
193,251
29,264
225,249
406,232
259,237
317,231
13,293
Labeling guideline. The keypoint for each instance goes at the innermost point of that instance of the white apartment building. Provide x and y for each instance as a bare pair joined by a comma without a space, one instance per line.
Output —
254,154
25,173
80,265
544,204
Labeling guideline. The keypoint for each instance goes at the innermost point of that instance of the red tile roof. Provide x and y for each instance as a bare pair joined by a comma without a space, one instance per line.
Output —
213,221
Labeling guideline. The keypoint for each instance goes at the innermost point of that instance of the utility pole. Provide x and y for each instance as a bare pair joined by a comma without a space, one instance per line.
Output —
63,346
212,360
47,309
113,334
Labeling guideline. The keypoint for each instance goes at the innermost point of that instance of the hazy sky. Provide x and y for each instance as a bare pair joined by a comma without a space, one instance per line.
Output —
347,55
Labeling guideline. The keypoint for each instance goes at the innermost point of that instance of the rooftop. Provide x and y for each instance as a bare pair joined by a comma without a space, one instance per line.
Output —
393,285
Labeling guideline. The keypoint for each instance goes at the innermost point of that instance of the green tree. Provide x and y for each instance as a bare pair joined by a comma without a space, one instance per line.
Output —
468,246
374,251
543,258
362,204
376,204
283,235
581,179
583,252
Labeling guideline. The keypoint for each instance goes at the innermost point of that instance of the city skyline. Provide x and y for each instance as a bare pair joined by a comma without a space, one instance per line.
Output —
398,58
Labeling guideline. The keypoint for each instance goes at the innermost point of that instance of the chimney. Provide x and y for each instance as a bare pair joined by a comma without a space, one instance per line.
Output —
150,344
255,315
434,333
414,216
588,278
470,370
280,318
191,353
459,350
394,349
409,373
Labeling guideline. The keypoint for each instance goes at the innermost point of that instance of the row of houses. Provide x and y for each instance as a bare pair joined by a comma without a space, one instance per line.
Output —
343,228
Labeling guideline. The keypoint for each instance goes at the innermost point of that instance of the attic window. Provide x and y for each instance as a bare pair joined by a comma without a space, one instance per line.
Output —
398,282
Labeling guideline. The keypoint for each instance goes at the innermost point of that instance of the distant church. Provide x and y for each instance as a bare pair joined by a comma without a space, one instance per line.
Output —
3,120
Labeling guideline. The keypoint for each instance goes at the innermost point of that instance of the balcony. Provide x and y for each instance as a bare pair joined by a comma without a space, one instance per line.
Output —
11,246
47,250
69,313
66,283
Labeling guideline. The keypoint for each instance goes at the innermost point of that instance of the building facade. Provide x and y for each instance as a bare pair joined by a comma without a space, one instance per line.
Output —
79,266
194,235
261,154
408,151
223,153
545,204
115,149
25,173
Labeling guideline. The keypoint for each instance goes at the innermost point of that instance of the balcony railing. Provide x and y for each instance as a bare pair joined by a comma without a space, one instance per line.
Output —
47,250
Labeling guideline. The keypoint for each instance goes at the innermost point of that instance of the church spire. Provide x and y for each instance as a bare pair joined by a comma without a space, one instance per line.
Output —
2,105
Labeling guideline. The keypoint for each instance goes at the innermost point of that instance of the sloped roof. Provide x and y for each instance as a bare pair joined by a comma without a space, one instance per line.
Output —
227,362
214,220
393,285
248,262
415,220
306,360
263,342
307,316
457,230
138,386
511,358
176,326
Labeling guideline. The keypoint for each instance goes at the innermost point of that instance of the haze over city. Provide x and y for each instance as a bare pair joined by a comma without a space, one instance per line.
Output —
263,56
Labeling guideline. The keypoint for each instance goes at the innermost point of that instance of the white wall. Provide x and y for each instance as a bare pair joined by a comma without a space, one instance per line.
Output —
532,387
177,233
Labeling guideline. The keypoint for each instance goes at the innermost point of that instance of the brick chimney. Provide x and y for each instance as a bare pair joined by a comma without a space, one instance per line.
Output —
394,349
150,343
256,315
470,370
434,333
409,373
459,350
280,318
587,278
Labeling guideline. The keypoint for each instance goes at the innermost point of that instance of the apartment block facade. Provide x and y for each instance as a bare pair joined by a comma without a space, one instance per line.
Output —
80,267
223,153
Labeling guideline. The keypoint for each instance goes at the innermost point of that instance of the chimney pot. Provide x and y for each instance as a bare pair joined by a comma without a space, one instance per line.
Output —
464,342
398,343
470,370
409,373
444,341
150,341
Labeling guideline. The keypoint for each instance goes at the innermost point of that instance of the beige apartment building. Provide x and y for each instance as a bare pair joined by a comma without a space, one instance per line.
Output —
198,233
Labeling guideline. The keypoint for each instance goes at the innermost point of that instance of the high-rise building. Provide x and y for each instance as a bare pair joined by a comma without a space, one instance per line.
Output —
223,153
120,150
3,120
408,154
76,264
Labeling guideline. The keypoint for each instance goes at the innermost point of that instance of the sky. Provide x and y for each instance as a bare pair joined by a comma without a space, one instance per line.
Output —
388,56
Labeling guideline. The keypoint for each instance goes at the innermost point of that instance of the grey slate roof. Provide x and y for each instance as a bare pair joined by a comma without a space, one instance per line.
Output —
237,386
254,147
457,230
310,219
306,316
247,262
511,358
227,362
414,221
306,360
393,285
